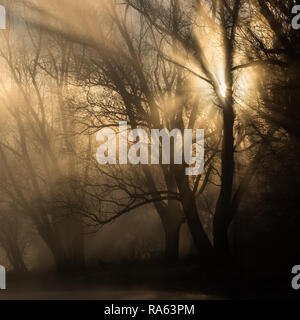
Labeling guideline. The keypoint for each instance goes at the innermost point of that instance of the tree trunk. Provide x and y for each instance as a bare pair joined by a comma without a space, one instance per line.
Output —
199,235
189,205
172,220
223,214
171,244
54,243
60,259
76,246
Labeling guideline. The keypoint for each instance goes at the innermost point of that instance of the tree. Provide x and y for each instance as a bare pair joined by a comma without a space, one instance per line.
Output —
35,149
109,66
140,56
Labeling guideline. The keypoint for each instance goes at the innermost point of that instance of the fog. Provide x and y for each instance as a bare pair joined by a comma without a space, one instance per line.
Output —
71,71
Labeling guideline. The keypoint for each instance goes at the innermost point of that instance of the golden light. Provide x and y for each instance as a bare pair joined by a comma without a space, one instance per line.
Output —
223,89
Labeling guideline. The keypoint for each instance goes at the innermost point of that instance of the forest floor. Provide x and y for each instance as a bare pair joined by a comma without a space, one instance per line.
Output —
136,283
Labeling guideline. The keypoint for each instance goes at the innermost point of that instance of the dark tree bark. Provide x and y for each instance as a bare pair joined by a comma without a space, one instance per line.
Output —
223,212
172,222
189,205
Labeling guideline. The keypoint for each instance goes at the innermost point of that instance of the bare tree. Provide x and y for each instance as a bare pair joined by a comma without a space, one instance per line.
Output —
134,59
34,141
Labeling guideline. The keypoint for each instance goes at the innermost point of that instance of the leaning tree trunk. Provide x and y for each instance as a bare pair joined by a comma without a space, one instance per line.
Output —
199,235
54,242
189,205
171,218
